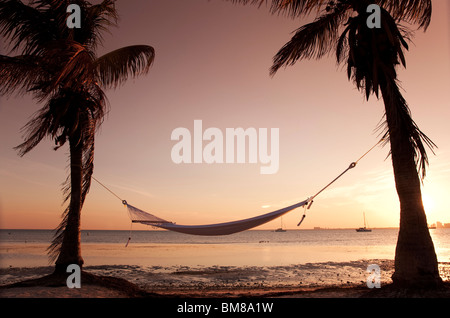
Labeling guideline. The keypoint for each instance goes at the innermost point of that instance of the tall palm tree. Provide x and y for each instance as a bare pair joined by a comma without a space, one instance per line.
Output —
58,65
372,55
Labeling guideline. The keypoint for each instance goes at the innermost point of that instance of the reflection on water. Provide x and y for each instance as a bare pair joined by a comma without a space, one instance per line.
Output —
21,248
303,237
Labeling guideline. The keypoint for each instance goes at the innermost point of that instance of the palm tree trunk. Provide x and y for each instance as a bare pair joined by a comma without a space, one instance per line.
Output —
415,258
70,252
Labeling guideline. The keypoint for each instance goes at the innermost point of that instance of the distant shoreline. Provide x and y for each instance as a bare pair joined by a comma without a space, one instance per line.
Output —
162,230
270,230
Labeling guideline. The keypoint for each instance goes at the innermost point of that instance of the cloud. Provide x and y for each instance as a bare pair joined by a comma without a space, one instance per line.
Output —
371,189
126,189
29,171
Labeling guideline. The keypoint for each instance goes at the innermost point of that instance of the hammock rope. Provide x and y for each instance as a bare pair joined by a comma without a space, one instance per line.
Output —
351,166
138,216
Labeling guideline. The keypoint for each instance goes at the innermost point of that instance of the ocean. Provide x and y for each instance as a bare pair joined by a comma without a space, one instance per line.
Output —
302,237
27,248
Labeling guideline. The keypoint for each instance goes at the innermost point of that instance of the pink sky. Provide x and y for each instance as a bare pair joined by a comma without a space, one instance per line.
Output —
212,61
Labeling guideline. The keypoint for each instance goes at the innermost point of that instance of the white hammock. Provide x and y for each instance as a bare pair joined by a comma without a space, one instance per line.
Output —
139,216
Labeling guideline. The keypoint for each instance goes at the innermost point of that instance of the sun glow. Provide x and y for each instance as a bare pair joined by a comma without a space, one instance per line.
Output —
428,203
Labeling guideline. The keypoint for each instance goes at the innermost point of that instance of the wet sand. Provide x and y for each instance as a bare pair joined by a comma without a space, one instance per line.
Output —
192,255
193,270
215,281
311,280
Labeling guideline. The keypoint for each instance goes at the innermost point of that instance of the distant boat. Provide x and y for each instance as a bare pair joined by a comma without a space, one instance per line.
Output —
364,229
280,229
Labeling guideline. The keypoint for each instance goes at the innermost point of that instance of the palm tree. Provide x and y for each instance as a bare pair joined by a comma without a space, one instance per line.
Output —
59,66
371,55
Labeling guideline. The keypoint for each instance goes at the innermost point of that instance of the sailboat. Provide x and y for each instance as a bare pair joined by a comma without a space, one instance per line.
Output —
364,229
280,229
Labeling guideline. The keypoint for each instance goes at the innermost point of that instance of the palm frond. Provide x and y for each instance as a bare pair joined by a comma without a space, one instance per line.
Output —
79,114
372,54
75,67
412,11
400,117
54,248
88,144
36,130
293,8
96,20
342,43
313,40
20,74
22,25
115,67
297,8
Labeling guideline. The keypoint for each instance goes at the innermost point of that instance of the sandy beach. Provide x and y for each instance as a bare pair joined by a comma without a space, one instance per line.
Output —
216,281
344,279
206,270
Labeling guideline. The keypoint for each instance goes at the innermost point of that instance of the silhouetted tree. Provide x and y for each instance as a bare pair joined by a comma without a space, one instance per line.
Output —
372,55
58,65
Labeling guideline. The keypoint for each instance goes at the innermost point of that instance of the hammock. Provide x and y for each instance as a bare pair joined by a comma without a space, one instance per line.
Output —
139,216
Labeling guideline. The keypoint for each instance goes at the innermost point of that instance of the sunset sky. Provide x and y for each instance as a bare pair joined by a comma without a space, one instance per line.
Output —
212,64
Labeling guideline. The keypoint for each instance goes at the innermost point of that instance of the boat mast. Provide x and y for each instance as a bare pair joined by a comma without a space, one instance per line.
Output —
364,214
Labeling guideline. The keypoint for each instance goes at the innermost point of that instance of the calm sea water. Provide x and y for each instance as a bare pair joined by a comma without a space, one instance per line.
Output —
344,237
256,247
292,237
